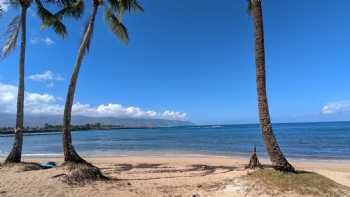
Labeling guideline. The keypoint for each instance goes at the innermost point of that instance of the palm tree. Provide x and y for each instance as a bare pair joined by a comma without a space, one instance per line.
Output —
1,11
113,16
18,26
276,156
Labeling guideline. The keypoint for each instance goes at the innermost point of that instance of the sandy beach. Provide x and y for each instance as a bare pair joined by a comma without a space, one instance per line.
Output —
159,175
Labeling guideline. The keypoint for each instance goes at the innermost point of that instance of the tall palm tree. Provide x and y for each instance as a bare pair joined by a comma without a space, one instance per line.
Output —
18,27
113,16
276,156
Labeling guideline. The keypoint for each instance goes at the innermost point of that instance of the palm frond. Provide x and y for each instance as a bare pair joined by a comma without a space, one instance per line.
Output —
74,9
116,26
59,28
61,3
11,37
50,20
250,7
14,3
46,16
1,11
117,6
136,6
120,6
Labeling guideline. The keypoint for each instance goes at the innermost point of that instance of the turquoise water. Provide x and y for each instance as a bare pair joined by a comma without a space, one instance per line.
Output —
297,140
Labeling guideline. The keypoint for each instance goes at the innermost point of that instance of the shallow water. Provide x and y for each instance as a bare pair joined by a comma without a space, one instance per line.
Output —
297,140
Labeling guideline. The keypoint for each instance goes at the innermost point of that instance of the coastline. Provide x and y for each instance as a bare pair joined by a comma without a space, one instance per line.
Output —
170,154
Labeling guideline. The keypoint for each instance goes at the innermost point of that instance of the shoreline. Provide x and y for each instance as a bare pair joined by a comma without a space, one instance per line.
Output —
242,156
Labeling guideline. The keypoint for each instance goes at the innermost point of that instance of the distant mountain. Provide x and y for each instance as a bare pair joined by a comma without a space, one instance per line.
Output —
8,120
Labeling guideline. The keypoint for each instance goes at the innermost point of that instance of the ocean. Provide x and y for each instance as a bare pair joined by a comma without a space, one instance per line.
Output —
327,140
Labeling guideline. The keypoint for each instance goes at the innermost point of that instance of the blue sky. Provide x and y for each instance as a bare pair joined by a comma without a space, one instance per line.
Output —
197,57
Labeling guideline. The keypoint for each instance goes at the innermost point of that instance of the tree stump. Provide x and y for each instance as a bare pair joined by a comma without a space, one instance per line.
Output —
254,161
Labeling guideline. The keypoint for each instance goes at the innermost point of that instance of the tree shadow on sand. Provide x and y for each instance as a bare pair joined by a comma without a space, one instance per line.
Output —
23,166
127,167
158,169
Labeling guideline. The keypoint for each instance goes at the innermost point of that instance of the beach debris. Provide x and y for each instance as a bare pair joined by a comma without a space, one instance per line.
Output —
48,165
254,161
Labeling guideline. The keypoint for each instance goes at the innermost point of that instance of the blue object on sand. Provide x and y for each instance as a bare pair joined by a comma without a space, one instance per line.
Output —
48,165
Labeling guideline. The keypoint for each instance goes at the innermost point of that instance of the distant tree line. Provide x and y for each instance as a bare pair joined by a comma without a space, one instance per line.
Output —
51,128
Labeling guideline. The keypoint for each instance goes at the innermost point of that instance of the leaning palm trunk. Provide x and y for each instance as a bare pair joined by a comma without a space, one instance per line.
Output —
16,152
80,171
70,155
276,156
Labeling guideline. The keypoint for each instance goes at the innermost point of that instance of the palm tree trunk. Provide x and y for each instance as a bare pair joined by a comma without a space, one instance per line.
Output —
276,156
70,155
16,152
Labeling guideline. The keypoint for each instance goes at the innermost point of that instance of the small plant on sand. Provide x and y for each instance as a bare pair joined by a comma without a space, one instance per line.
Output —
254,161
79,169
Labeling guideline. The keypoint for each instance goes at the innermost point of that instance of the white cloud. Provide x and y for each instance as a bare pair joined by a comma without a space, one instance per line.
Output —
36,103
336,107
48,41
48,77
119,111
4,5
173,115
8,97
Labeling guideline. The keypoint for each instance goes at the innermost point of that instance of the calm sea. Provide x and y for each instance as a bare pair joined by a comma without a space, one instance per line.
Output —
297,140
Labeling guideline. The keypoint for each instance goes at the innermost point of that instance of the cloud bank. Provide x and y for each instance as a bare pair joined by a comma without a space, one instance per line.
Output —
47,41
336,107
36,103
48,77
